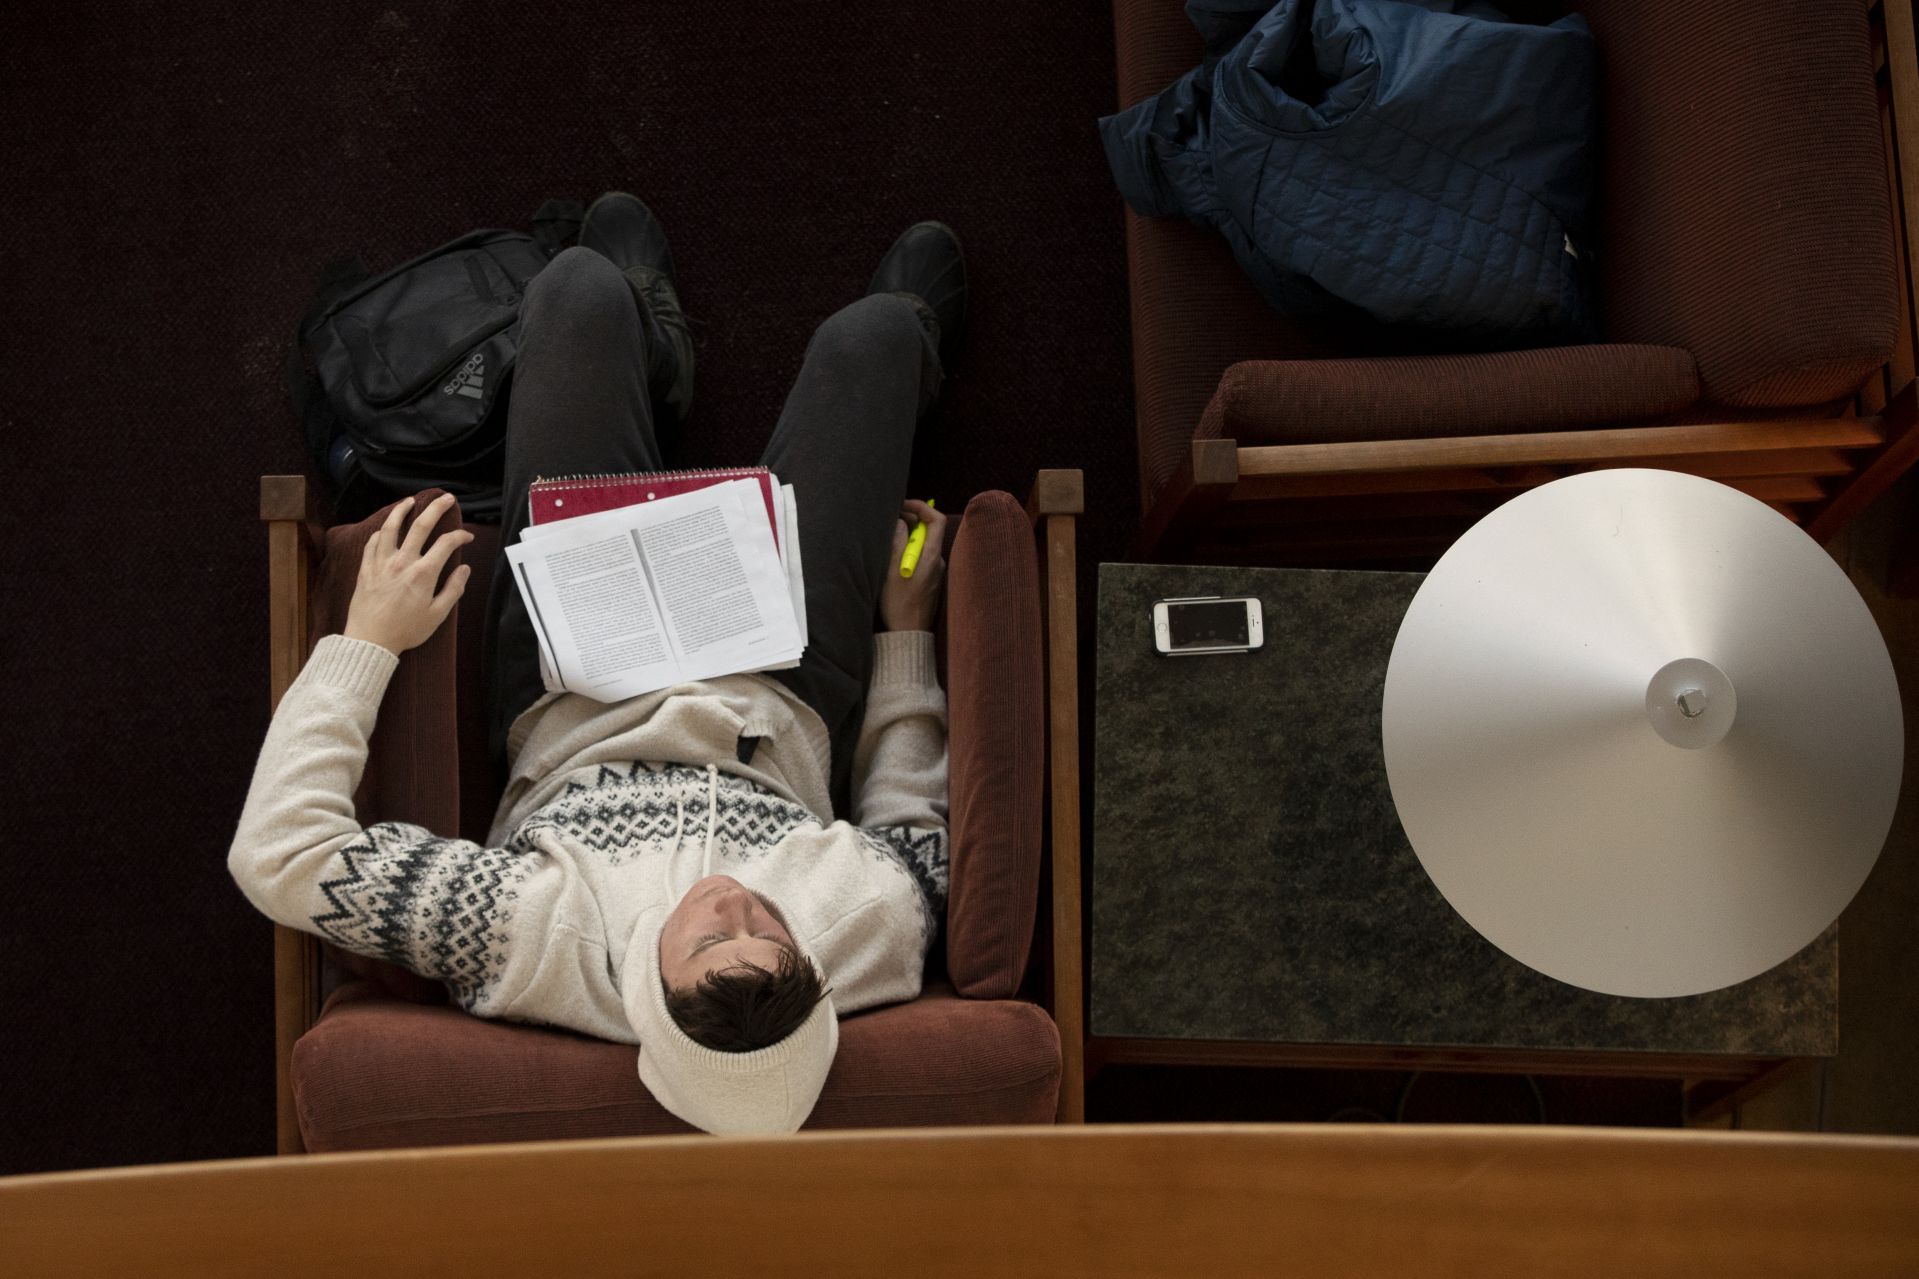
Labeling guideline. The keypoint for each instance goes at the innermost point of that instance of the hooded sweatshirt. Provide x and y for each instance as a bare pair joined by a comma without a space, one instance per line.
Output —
611,812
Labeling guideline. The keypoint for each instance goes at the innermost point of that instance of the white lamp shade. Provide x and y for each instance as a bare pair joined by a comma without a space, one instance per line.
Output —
1642,733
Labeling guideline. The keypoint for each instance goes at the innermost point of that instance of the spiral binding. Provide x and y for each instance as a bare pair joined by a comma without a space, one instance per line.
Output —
560,483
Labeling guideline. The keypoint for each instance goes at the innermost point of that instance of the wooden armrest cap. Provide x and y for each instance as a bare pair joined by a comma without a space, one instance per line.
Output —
286,497
1058,492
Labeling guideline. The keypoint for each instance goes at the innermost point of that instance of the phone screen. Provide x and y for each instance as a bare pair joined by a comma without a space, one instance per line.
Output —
1207,625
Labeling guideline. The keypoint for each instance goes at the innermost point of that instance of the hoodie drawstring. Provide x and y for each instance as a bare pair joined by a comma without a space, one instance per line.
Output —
712,812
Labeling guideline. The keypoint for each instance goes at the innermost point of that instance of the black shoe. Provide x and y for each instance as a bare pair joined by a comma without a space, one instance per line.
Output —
926,262
619,227
623,230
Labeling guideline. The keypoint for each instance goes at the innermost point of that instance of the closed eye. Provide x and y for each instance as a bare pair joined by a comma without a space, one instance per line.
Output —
710,938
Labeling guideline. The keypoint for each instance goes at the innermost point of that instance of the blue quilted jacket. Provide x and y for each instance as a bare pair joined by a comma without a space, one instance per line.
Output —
1427,161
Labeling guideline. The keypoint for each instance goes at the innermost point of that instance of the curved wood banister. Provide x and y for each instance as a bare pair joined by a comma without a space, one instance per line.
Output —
1139,1200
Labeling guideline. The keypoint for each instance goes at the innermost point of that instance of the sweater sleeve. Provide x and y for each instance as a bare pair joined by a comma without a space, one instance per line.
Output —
394,891
899,764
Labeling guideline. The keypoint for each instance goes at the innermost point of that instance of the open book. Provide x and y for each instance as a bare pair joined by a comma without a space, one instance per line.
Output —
688,587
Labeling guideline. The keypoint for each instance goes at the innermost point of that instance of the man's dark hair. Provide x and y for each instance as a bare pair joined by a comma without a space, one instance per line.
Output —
744,1007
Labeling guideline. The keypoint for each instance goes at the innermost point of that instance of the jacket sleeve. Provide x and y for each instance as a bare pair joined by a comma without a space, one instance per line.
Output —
899,765
394,891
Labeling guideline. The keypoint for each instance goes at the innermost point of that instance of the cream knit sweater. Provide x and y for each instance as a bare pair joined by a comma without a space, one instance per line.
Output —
612,811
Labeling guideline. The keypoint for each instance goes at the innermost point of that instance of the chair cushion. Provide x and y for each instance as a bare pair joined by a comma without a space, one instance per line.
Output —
1415,397
376,1072
1744,200
996,735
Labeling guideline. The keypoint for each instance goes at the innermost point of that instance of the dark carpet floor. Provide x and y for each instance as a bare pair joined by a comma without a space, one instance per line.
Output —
176,176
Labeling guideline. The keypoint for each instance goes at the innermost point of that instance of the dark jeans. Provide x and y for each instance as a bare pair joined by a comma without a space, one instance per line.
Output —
844,441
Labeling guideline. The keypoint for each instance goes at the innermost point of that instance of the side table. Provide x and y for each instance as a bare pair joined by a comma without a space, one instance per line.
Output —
1255,901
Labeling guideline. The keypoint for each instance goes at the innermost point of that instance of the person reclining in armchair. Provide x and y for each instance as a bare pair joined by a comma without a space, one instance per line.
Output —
667,870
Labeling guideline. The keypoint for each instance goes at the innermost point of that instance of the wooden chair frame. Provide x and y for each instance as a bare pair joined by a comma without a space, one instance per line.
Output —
296,538
1404,501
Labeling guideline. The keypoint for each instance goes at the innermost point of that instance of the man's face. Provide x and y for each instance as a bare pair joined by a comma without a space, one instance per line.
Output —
718,924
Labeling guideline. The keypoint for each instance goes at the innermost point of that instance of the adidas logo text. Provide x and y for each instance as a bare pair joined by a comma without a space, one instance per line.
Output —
470,378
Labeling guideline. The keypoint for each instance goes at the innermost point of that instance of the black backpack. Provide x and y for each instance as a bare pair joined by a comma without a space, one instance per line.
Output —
401,381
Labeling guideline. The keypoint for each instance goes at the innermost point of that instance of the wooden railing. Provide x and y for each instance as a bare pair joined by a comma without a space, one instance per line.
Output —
1145,1201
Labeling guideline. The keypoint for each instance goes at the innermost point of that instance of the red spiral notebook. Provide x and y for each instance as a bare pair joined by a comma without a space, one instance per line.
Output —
568,495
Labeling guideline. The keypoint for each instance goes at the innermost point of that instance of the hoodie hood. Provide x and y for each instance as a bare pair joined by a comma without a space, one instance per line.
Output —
768,1090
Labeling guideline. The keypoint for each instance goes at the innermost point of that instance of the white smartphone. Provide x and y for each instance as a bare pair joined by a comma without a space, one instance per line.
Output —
1208,624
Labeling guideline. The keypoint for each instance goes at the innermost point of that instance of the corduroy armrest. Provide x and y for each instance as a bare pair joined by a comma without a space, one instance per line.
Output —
412,767
1426,396
996,743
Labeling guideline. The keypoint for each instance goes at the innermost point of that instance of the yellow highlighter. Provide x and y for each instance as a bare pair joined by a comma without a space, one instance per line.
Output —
915,542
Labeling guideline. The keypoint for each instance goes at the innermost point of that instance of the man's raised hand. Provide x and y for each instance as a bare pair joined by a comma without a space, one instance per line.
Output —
394,604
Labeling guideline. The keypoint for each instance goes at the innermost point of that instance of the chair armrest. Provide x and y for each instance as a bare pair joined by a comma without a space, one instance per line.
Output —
1429,396
294,540
288,510
312,572
996,743
402,782
1058,498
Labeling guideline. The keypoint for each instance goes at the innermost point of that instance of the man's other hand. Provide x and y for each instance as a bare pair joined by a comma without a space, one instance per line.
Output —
913,603
393,603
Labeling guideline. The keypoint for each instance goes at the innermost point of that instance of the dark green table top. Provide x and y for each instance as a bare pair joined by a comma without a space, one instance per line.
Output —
1251,880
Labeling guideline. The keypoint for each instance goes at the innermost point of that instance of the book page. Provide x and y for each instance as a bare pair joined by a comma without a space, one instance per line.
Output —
549,673
729,599
790,545
599,627
787,534
720,583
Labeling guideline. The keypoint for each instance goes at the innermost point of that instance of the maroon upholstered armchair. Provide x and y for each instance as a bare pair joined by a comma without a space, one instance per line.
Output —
1752,282
370,1055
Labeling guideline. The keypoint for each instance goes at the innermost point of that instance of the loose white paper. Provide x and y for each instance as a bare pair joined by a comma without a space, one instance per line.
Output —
682,588
790,546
